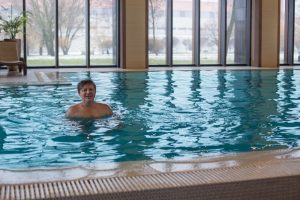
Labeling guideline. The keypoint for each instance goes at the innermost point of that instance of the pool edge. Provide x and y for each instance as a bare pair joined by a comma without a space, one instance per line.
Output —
271,169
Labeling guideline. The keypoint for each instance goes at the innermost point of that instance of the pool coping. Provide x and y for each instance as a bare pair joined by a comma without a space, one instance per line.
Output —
127,177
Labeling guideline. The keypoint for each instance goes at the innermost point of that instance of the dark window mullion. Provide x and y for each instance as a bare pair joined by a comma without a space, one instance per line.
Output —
56,35
116,33
169,33
88,33
290,31
248,32
24,35
223,33
196,32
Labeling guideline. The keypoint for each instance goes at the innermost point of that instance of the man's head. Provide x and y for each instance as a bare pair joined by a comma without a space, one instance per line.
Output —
82,83
87,91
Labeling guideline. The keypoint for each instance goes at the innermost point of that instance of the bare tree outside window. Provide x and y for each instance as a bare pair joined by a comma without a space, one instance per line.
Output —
103,27
72,32
210,31
157,31
155,13
69,23
41,31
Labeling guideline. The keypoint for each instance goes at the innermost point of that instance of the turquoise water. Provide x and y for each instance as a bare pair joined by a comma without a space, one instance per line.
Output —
158,116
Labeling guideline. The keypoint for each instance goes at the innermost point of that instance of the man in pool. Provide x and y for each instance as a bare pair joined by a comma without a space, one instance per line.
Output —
88,108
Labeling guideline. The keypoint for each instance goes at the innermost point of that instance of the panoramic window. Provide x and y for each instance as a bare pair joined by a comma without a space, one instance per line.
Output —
283,35
71,32
297,33
9,9
290,32
103,26
157,32
210,30
236,31
41,33
194,32
61,34
182,31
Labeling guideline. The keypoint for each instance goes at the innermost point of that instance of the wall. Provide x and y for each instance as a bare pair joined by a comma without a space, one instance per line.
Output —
134,34
265,33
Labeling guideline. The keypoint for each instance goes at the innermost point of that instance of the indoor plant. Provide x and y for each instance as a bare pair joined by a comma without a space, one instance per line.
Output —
11,27
14,24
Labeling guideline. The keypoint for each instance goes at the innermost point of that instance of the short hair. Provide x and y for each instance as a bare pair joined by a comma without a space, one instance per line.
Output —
85,82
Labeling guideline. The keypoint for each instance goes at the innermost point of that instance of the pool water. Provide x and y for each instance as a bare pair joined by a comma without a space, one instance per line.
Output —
157,116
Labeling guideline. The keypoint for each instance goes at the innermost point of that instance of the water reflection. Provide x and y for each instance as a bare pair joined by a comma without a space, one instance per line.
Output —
2,138
131,139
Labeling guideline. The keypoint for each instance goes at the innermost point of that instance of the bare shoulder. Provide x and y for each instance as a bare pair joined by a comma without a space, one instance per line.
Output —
72,110
105,108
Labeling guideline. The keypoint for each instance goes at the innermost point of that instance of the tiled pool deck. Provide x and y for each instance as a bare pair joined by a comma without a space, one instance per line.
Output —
254,175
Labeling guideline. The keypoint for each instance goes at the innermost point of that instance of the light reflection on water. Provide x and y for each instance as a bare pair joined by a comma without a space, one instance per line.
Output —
158,115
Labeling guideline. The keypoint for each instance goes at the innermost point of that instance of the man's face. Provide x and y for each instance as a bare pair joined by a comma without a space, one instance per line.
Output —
87,93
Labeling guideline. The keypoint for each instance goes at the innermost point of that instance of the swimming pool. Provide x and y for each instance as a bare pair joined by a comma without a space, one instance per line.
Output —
158,115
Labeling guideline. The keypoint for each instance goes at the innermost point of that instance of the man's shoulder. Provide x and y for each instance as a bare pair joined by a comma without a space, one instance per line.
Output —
102,105
72,110
73,107
105,107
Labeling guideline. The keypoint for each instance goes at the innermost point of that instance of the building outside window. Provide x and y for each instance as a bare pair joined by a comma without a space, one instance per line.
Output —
180,21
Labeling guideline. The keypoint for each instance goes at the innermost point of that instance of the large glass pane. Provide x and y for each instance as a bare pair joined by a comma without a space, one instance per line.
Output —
157,31
209,26
9,9
41,33
236,32
103,30
72,34
182,31
283,59
297,32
